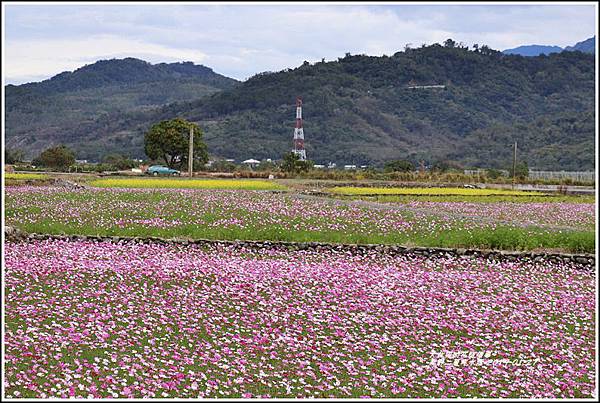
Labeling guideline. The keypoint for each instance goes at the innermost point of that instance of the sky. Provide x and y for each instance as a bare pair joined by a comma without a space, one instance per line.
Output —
239,41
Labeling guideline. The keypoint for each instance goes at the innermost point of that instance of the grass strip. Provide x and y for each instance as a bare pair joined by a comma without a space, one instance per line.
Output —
501,237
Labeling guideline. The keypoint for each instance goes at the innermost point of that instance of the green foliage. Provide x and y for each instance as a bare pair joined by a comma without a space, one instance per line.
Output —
119,161
266,166
59,157
447,166
291,163
522,170
169,140
359,110
79,108
222,166
493,173
399,166
12,155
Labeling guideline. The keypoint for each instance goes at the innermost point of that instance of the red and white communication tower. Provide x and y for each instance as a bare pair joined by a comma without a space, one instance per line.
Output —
299,132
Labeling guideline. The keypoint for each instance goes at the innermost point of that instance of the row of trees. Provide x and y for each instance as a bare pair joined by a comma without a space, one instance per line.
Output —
168,141
62,157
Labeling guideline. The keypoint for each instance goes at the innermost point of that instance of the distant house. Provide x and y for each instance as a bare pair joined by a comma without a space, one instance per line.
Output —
349,167
426,87
252,163
317,166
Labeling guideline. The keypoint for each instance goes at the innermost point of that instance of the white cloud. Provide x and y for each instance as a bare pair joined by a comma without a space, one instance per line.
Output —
240,41
27,58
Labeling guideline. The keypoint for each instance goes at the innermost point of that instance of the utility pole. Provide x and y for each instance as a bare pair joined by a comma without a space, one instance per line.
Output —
191,153
514,166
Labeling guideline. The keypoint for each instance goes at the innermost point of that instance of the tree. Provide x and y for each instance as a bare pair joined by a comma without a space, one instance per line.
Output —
12,155
398,166
119,161
59,157
169,140
449,43
292,164
265,166
223,166
522,170
446,165
493,173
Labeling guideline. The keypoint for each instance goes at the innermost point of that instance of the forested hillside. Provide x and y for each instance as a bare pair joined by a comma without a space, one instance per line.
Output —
361,110
39,114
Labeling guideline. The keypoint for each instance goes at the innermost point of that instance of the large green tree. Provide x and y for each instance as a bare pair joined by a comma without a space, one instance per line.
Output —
291,163
169,140
59,157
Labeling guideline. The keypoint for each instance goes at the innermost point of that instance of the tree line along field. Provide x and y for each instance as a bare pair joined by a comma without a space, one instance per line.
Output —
91,319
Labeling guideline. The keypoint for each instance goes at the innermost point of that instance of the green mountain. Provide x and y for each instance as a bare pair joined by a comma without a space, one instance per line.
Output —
44,113
366,110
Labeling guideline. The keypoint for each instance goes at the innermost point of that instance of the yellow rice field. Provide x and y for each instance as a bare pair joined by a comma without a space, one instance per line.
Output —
243,184
25,176
348,190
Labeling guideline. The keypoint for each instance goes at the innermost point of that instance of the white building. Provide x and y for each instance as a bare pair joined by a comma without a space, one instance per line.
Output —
251,162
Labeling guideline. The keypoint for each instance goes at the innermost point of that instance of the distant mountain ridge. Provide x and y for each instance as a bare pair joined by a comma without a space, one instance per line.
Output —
358,110
533,50
55,107
124,71
587,46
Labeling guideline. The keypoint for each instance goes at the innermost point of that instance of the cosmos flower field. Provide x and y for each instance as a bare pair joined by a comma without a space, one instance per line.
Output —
566,215
252,215
86,319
